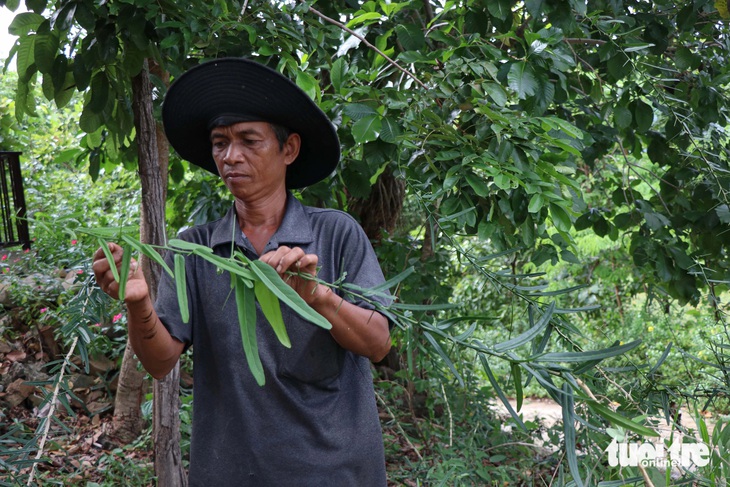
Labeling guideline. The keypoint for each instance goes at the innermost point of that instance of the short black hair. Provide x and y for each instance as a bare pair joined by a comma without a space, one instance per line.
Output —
282,134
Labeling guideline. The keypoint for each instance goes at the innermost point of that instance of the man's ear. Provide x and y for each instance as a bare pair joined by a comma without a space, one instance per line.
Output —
291,148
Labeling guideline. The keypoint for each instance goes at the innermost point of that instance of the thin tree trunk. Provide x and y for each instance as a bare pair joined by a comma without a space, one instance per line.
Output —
127,422
153,176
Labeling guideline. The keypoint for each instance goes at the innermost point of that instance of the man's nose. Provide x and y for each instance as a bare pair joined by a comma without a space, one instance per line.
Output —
233,154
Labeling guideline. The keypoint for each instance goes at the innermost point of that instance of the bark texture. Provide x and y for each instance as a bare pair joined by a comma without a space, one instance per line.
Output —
153,163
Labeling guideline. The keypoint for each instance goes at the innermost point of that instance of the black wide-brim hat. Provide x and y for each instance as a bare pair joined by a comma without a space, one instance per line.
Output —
244,90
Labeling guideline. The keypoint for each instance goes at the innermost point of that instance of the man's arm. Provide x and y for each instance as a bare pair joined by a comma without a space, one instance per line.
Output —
156,348
359,330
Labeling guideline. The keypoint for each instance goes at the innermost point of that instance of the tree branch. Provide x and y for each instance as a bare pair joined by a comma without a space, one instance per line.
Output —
365,41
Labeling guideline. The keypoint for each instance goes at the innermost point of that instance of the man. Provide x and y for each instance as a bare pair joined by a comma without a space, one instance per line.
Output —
315,420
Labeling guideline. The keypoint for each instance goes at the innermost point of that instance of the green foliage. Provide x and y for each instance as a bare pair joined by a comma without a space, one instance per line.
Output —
517,129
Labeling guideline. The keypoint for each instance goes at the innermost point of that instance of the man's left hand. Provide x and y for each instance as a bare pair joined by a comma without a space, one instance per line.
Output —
297,269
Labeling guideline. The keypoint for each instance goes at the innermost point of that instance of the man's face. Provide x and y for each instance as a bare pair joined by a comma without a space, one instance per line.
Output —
249,159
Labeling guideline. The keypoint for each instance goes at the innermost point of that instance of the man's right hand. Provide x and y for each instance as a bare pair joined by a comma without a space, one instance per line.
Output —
136,289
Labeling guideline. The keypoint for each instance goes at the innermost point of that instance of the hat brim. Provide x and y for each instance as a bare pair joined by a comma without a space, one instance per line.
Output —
243,86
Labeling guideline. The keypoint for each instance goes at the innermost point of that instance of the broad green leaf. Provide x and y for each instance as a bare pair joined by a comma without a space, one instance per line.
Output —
536,203
246,306
308,84
99,93
410,36
272,311
358,111
45,49
366,129
499,9
622,117
528,335
285,293
560,217
521,79
390,130
360,19
337,73
643,115
564,126
24,23
25,57
497,93
723,213
684,59
617,419
478,184
181,287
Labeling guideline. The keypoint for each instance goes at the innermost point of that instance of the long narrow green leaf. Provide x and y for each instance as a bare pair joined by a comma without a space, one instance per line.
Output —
620,420
246,304
106,232
149,251
569,433
225,264
517,379
272,311
500,393
109,257
588,355
661,359
619,483
424,307
124,271
188,246
559,291
181,287
393,281
525,337
440,351
284,292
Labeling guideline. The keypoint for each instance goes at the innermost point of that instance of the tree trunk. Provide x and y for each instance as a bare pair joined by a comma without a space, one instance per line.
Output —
127,422
152,148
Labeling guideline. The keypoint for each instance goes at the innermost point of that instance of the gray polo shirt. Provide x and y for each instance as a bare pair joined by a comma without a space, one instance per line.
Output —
315,422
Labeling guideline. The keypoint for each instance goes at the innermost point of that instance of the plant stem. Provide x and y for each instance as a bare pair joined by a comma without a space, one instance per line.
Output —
51,412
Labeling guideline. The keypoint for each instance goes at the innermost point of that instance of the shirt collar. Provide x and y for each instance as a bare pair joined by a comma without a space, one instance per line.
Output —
295,228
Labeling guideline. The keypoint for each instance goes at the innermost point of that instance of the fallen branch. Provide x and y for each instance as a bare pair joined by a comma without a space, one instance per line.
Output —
52,409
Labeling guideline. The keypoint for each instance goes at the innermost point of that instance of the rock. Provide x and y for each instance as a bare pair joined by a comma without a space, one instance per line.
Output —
100,364
16,393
